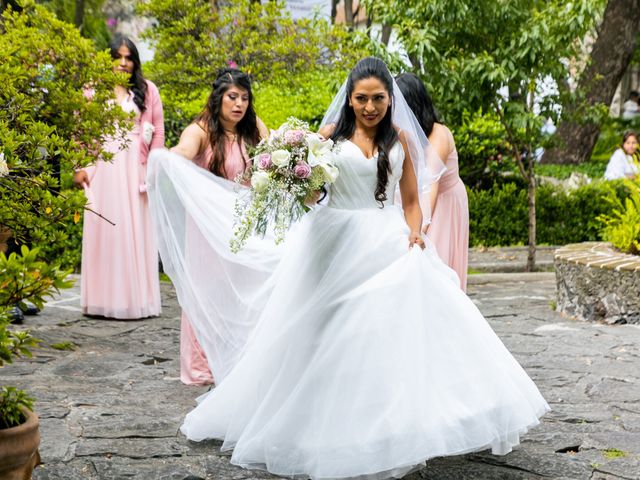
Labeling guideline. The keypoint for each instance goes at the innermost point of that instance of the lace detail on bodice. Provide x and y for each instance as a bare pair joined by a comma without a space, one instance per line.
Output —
356,184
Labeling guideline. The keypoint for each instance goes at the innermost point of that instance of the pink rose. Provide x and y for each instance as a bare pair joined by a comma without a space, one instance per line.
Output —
302,170
264,161
293,137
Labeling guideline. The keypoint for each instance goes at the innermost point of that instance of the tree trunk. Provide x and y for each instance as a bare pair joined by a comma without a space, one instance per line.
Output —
334,10
610,57
416,63
78,18
386,34
531,203
348,13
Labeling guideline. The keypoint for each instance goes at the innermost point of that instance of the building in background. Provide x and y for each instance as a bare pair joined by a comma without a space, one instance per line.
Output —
309,8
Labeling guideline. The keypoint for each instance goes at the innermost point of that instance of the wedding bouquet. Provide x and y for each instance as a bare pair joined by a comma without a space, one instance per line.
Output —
288,167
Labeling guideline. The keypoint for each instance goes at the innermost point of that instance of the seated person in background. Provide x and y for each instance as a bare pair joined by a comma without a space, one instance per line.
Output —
623,163
631,109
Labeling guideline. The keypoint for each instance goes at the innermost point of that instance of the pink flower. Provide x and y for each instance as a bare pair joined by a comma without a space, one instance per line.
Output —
232,64
293,137
264,161
302,170
112,22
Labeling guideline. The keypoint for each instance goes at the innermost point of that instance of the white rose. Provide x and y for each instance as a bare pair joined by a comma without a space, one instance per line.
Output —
319,150
259,180
330,172
4,168
280,158
147,132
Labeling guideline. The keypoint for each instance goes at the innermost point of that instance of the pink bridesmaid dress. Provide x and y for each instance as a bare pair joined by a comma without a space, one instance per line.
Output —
120,262
449,229
194,368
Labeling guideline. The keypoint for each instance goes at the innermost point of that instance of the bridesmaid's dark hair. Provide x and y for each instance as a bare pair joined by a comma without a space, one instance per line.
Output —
419,101
137,83
247,128
386,134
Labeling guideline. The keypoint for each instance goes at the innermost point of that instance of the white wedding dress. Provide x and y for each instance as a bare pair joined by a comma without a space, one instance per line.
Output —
366,358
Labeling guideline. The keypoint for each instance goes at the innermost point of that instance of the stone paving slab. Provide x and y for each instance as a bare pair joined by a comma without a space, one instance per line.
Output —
111,408
508,259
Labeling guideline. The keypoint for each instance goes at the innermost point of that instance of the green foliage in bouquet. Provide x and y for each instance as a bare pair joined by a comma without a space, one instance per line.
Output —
621,226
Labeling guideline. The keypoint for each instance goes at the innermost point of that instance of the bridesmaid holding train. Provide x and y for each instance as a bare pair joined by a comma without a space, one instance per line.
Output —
449,227
217,141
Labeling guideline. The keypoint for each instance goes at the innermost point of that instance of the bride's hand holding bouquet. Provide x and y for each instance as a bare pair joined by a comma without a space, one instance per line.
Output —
289,169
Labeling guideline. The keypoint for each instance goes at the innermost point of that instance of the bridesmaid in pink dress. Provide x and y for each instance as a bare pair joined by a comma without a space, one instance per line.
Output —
449,227
120,259
217,141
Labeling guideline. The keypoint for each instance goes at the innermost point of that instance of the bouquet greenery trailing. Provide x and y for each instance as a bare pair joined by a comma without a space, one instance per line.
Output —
288,167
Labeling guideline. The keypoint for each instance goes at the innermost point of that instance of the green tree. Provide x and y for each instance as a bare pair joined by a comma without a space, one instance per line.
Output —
47,123
86,15
507,57
612,52
195,38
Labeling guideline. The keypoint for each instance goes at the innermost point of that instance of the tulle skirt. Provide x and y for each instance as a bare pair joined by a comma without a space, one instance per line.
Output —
367,359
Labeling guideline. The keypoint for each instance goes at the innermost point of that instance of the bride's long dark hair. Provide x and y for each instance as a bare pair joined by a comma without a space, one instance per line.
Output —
386,135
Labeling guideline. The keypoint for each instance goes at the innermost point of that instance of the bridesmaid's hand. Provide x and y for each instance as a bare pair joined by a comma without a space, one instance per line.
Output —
416,239
80,178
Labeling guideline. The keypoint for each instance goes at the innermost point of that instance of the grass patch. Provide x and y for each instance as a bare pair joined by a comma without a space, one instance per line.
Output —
164,277
553,305
64,346
593,169
613,453
474,271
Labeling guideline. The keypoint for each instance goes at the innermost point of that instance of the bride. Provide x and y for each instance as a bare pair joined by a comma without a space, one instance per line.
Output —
366,358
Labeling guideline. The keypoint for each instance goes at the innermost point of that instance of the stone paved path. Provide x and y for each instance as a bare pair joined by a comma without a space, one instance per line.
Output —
508,259
111,408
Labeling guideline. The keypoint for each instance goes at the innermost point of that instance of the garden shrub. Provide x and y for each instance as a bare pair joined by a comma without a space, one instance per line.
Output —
48,127
296,65
498,216
621,224
482,148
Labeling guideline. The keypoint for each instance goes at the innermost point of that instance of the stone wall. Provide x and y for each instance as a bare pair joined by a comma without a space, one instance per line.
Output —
596,283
